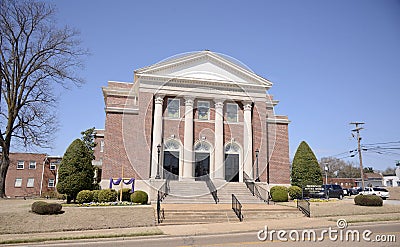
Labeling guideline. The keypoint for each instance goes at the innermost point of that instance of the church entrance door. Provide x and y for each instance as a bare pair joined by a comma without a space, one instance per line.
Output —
171,165
202,165
232,167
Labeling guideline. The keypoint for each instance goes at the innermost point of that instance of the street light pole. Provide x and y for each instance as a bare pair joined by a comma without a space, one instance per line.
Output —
326,173
257,175
158,163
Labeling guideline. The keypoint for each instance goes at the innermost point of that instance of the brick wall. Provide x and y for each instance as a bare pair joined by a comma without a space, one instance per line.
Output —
128,137
28,173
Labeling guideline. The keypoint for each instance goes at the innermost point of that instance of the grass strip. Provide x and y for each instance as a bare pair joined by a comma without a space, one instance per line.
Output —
35,240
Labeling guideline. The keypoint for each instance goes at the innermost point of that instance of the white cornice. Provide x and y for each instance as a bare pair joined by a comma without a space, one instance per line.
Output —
279,120
222,62
110,109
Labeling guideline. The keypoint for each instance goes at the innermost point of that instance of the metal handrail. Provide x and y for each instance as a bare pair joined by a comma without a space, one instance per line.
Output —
237,207
255,189
211,188
161,194
304,207
164,189
160,211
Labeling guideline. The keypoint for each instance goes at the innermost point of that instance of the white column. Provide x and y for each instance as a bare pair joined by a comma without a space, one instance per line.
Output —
247,140
219,171
157,134
188,140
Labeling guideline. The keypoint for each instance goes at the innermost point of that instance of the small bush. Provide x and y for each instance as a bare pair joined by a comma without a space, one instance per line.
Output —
50,195
279,194
295,192
126,194
139,197
41,207
84,196
368,200
108,195
96,195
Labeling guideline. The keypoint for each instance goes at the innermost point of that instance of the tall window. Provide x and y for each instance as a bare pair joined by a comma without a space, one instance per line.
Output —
231,112
173,108
30,183
51,182
20,164
203,108
18,182
101,146
32,164
53,166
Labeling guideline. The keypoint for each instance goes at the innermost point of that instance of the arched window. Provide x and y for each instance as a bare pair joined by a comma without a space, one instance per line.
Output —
202,151
171,159
232,153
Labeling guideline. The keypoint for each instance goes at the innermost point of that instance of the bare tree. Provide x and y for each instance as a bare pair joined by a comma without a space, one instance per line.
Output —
37,57
339,168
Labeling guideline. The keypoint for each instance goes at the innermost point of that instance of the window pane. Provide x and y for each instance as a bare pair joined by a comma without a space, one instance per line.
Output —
173,108
231,112
18,182
51,182
32,165
52,166
102,146
30,182
203,108
20,165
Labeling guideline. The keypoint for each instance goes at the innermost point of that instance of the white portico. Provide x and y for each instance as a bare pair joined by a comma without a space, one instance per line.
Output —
203,106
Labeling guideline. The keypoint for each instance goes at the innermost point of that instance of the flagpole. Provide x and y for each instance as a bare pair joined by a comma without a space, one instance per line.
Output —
122,182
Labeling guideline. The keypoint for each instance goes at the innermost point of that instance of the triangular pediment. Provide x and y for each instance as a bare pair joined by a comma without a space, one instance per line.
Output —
205,65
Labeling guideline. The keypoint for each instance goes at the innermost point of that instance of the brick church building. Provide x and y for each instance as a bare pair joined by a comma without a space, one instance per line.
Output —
194,115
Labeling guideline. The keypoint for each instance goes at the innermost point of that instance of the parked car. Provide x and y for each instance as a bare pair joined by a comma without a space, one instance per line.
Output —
353,191
383,193
329,191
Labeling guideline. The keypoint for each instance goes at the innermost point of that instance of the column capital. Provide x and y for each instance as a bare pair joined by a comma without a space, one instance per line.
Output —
189,101
219,103
247,105
158,98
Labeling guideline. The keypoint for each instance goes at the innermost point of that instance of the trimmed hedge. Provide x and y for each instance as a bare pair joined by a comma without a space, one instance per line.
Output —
126,194
368,200
295,192
139,197
279,194
107,195
84,196
96,195
41,207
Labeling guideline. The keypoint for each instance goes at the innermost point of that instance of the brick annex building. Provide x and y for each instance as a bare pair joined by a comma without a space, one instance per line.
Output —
31,174
192,115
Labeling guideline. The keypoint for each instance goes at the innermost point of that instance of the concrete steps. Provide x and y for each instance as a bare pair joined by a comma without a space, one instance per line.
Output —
241,192
184,214
188,192
198,192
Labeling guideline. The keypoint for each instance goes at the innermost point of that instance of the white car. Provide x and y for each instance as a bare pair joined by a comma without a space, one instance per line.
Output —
383,193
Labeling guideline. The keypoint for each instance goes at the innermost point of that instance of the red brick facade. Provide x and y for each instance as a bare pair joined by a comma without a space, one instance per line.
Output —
129,131
31,175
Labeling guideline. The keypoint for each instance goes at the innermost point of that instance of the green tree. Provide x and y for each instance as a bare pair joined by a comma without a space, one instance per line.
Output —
88,139
76,171
305,167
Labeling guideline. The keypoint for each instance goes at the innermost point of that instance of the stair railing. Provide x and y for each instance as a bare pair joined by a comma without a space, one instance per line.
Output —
163,191
304,207
237,207
211,188
255,189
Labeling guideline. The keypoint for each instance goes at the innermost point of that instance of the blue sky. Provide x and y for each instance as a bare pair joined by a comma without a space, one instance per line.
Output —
332,62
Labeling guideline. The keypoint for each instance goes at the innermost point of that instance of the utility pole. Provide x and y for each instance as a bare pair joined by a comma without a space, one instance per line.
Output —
357,129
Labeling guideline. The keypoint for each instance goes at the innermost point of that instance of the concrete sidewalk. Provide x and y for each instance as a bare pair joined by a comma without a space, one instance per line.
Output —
172,230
